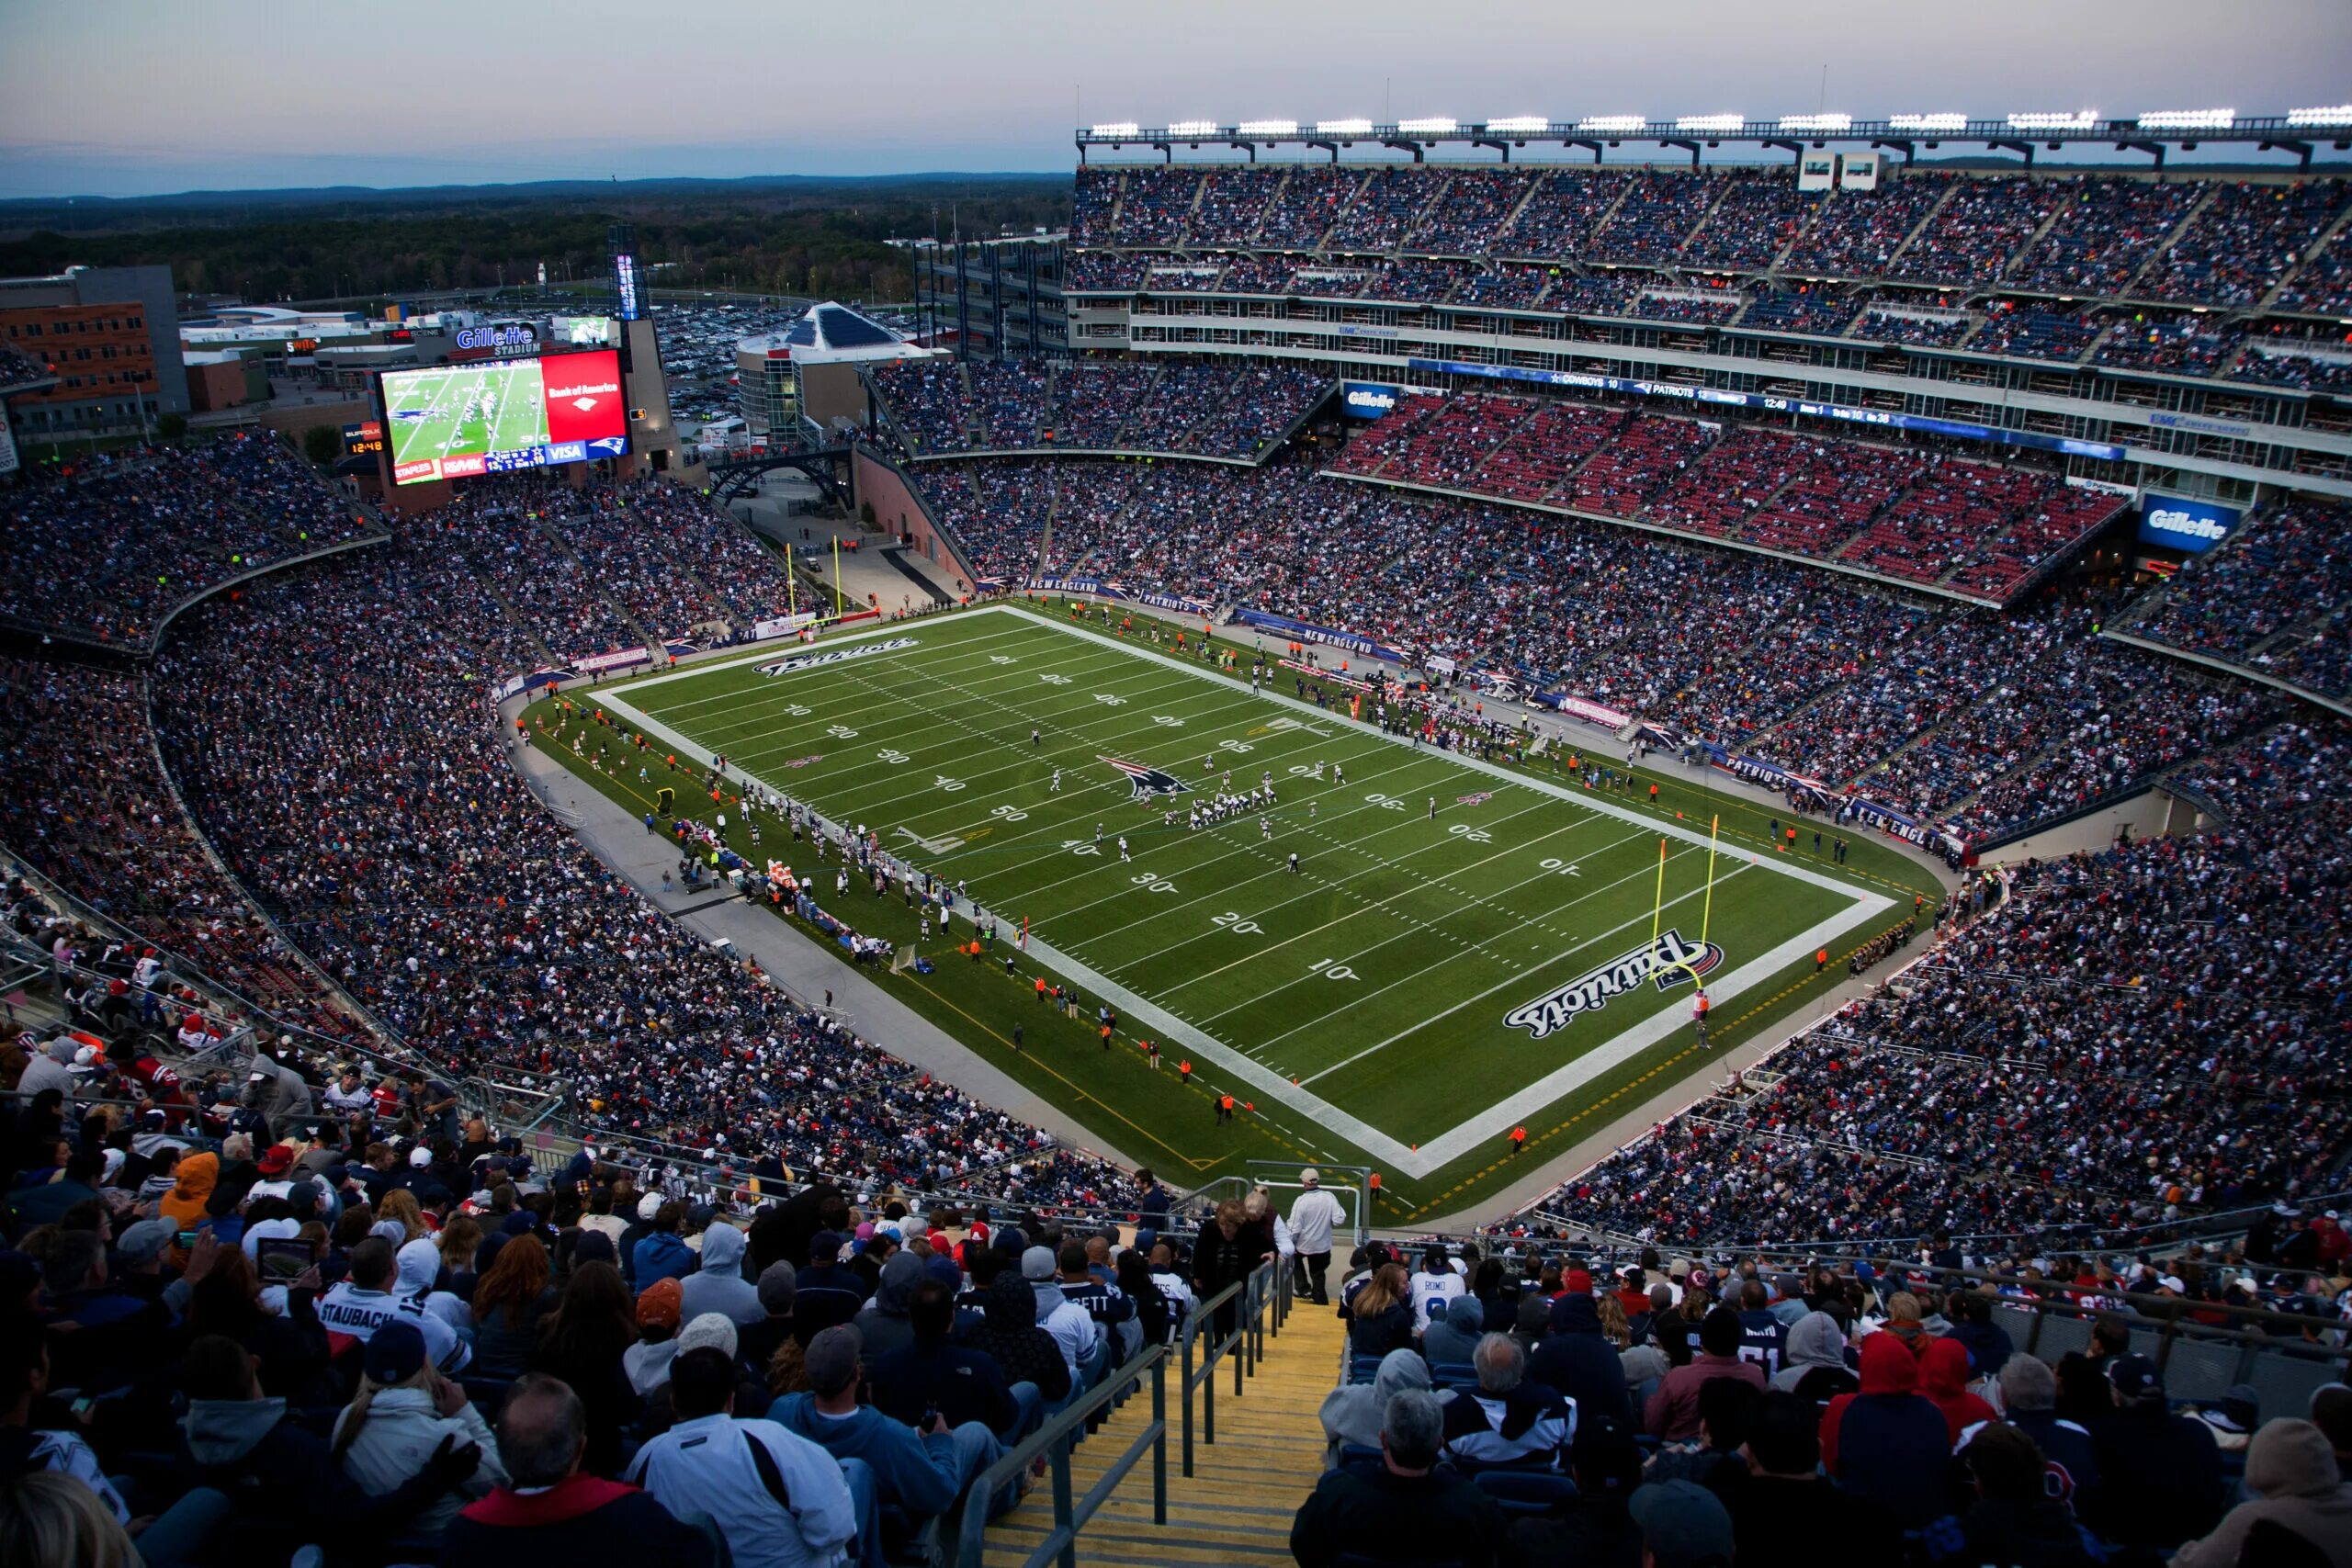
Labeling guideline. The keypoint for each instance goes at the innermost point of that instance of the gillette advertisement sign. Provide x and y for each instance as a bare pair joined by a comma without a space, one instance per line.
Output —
1366,400
2178,524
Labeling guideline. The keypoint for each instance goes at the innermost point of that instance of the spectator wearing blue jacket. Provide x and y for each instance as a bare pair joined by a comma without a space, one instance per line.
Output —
662,1253
920,1473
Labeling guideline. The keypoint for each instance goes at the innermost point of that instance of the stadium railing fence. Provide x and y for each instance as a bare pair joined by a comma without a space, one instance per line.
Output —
1262,1303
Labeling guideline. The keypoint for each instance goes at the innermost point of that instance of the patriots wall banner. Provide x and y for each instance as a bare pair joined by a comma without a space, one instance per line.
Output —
1662,963
834,656
1151,784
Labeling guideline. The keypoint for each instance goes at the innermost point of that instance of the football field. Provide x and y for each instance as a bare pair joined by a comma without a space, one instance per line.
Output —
1462,946
442,414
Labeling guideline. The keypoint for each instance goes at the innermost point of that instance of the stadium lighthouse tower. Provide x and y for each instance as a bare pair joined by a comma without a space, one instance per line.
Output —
652,435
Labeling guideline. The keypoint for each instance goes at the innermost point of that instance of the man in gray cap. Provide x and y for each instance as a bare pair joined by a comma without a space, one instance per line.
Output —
1683,1526
1073,1330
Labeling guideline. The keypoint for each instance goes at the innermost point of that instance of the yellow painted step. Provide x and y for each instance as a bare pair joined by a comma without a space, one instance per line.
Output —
1238,1505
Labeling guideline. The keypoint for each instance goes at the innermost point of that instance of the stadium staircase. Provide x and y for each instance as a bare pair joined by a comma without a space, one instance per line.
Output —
1927,219
2187,221
1273,201
2033,239
1237,1506
1511,217
1722,194
2319,248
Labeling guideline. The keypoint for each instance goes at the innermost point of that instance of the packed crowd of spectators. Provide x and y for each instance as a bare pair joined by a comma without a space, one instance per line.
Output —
2275,773
398,847
1535,1395
541,605
2276,597
2322,286
2108,230
673,562
1895,323
1799,310
1755,215
1860,233
1910,515
343,1324
2134,1034
2023,330
1658,211
103,547
84,803
1987,722
2178,345
2220,243
2244,240
2277,362
1209,411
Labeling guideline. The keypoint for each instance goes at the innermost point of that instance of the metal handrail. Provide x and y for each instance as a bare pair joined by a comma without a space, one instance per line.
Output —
1056,1439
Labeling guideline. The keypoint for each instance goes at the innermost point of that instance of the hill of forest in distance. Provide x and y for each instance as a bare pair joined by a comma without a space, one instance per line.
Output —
786,234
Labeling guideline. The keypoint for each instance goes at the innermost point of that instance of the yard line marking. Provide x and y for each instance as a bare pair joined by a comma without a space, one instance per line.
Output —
1524,977
1389,1151
1372,906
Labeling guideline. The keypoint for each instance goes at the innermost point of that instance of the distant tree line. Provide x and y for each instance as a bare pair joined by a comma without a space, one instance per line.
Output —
826,242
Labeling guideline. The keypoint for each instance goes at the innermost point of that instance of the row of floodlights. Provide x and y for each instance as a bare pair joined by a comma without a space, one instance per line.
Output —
1631,124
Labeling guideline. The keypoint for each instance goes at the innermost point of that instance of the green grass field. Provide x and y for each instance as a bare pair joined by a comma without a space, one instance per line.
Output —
429,416
1384,1003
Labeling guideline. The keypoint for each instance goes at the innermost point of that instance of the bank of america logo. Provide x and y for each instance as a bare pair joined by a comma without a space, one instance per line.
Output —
1149,783
583,404
1668,962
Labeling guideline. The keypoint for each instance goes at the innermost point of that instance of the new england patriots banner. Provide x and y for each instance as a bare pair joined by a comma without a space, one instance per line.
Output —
1307,631
1813,792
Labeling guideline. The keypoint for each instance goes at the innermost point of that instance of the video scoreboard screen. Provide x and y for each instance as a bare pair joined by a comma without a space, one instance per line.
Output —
456,421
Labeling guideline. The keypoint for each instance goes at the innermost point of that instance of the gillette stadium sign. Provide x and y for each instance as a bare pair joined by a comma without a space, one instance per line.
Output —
2180,523
518,339
1367,399
1669,961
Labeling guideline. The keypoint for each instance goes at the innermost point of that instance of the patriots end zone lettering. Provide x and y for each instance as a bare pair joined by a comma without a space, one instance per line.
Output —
834,656
1662,963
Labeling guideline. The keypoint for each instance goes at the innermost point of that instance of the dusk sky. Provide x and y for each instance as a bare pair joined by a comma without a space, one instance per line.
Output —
123,97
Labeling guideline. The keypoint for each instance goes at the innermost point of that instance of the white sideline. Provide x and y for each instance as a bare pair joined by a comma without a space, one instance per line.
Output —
1391,1154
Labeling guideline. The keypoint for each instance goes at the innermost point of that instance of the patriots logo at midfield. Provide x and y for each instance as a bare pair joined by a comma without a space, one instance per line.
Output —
1149,783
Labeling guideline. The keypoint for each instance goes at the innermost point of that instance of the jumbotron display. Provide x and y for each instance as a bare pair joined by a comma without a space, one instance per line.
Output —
456,421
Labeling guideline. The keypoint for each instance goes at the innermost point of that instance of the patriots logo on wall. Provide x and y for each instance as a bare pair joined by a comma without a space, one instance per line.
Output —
1149,783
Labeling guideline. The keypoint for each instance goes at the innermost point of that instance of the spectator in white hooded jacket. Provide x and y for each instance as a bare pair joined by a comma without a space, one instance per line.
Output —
392,1429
